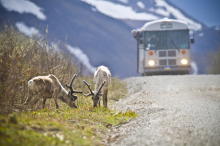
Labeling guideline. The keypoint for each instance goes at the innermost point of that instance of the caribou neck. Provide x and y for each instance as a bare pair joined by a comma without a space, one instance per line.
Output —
63,95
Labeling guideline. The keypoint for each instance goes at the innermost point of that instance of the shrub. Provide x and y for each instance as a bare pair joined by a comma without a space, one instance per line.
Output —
22,58
214,62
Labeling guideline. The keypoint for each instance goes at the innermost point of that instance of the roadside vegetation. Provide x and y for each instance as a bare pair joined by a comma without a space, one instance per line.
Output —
214,62
22,58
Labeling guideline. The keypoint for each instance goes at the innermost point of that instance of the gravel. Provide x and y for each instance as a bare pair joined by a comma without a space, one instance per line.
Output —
173,110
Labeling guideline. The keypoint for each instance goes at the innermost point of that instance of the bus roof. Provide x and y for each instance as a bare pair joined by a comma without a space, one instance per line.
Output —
165,24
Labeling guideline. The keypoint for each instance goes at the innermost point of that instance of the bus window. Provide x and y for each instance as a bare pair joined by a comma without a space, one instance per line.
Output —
155,40
177,39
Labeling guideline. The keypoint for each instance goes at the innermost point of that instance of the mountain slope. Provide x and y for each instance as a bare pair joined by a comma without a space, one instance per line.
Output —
101,30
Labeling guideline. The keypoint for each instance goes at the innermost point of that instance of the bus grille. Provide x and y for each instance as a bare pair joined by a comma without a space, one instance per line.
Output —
162,53
163,62
172,61
171,53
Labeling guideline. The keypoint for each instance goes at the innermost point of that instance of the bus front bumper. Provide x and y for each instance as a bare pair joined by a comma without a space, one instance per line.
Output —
168,69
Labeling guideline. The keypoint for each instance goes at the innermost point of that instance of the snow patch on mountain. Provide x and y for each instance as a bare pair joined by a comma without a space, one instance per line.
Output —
123,1
178,15
141,5
23,6
194,70
82,57
119,11
160,10
94,9
29,31
201,34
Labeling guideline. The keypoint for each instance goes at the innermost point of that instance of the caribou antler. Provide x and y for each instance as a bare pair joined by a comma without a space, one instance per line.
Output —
91,92
71,89
101,87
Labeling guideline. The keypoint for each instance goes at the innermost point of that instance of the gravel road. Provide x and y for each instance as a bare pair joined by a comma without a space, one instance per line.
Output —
173,110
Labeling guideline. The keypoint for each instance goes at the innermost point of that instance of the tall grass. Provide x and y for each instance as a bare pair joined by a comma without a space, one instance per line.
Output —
22,58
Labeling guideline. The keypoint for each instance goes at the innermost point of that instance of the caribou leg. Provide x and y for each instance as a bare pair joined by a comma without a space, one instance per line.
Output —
55,98
29,97
38,97
105,98
57,106
43,102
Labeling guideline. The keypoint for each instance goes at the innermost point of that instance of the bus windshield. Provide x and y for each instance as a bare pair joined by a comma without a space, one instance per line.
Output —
159,40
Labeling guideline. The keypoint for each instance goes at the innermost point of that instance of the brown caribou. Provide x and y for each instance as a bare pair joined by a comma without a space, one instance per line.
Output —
49,87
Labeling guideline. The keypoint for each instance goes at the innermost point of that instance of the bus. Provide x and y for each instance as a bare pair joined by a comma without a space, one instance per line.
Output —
163,47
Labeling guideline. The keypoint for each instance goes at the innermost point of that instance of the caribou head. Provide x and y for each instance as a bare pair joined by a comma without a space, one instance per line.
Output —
95,95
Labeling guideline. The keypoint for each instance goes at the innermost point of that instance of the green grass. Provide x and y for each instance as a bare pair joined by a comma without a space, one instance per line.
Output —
65,126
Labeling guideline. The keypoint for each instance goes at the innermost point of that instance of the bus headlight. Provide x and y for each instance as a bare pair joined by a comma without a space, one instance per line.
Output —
151,62
184,61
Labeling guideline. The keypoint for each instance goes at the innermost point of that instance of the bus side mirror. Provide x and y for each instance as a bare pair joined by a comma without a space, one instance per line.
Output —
141,41
140,35
191,35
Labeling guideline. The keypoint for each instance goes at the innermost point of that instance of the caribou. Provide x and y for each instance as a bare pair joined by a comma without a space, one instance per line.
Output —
49,87
102,79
